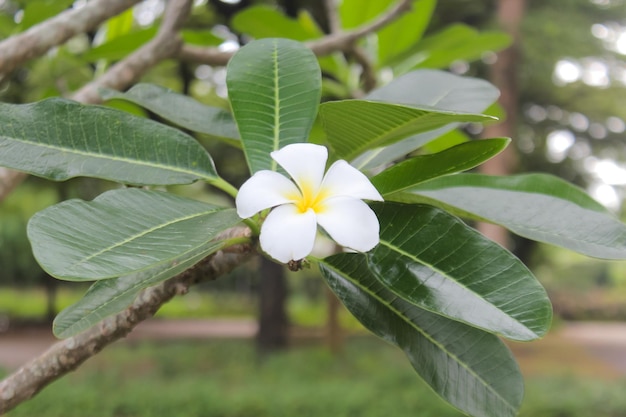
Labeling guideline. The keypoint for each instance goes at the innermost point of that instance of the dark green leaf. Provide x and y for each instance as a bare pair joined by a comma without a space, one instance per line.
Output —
181,110
469,368
121,232
435,261
60,139
274,87
536,206
426,167
355,126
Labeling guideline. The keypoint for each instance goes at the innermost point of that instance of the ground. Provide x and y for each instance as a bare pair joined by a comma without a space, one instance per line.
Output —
601,345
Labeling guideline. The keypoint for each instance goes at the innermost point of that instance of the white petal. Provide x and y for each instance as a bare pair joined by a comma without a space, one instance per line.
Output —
305,162
287,234
263,190
350,222
342,179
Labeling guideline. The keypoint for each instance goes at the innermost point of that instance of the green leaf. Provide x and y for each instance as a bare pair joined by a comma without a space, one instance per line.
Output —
355,126
121,232
435,261
404,32
262,21
110,296
353,13
469,368
536,206
454,43
120,46
426,167
274,87
430,88
36,11
60,139
181,110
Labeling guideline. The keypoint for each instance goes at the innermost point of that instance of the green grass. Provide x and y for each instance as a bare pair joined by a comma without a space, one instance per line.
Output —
226,379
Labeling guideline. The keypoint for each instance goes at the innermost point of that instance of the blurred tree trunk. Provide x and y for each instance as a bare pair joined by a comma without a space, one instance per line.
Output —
273,322
334,332
503,74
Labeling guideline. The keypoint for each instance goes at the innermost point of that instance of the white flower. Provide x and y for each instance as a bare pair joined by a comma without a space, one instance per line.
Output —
333,201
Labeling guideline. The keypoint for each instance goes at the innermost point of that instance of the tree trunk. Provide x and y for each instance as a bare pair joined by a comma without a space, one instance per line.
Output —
273,322
503,74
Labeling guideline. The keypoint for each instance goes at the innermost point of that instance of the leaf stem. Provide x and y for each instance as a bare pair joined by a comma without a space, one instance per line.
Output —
223,185
253,225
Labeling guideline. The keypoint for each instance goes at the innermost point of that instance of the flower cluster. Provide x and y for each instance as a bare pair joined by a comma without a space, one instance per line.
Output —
333,201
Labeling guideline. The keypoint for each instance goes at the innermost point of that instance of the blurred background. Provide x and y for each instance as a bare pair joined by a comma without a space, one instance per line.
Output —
266,342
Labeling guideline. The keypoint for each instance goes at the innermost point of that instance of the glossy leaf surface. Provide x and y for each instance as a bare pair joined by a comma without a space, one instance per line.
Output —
423,168
274,87
471,369
110,296
355,126
120,232
537,206
181,110
435,261
428,88
60,139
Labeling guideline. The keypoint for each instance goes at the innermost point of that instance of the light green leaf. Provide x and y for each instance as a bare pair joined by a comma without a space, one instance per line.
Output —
471,369
536,206
404,32
120,46
181,110
355,126
454,43
121,232
426,167
60,139
262,21
274,87
435,261
354,13
110,296
36,11
430,88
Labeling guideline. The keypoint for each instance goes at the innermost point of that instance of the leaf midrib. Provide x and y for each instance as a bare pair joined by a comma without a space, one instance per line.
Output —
415,259
135,237
198,174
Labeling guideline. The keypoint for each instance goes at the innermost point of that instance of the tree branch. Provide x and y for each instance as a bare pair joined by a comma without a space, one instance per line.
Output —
40,38
166,44
340,41
66,355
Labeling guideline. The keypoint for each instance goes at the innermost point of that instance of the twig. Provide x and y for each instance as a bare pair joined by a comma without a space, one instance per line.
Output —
40,38
334,23
164,45
341,41
68,354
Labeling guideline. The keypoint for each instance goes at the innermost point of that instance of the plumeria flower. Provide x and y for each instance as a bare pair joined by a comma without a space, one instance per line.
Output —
332,201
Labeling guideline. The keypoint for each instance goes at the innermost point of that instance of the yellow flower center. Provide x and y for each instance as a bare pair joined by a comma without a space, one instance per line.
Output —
309,198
